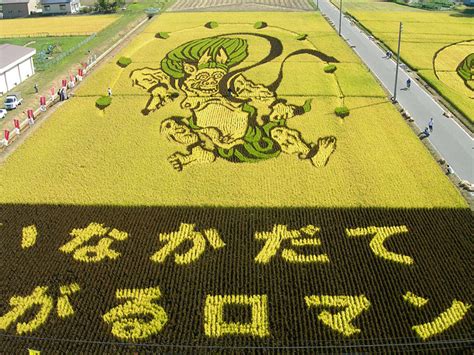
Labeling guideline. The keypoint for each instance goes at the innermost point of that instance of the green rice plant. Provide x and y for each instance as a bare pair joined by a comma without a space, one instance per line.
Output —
211,25
341,111
162,35
331,68
103,102
124,62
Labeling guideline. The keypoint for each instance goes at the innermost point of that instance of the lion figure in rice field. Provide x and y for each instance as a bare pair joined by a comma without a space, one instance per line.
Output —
232,118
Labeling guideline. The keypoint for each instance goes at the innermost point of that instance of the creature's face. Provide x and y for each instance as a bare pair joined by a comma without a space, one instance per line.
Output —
178,132
289,140
203,82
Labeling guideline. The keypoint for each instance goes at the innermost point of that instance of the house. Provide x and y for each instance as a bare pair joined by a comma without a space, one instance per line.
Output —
16,65
18,8
56,7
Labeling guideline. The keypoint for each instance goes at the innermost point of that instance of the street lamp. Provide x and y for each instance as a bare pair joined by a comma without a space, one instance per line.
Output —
340,16
398,61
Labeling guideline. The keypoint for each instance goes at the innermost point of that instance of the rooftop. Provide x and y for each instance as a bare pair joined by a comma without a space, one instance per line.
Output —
10,53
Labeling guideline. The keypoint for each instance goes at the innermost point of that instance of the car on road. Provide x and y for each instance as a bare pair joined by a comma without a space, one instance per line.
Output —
3,113
12,101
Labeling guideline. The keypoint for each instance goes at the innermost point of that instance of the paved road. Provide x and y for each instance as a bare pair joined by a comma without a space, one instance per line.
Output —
448,137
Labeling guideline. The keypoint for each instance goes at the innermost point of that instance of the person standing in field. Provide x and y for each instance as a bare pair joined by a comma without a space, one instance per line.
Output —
430,124
36,88
109,91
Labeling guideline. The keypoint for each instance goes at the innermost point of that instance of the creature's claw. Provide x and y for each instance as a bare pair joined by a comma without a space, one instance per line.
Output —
176,161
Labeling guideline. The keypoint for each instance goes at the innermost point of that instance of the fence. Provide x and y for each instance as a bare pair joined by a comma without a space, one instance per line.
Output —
43,63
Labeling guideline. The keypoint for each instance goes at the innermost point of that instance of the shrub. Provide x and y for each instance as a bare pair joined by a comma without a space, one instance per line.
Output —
302,37
342,111
260,24
103,102
211,25
331,68
124,62
162,35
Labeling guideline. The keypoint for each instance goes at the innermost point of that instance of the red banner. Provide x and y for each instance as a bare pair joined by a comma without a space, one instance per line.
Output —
42,100
64,82
29,112
80,72
17,124
6,133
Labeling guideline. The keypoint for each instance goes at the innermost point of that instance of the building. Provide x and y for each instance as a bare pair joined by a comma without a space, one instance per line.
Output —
469,2
18,8
16,65
57,7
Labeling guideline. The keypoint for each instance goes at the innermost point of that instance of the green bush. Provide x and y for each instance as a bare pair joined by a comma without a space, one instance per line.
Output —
302,37
162,35
211,25
103,102
342,111
260,24
331,68
124,62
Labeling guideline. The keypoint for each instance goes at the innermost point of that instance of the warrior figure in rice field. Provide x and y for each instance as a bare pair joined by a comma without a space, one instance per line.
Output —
231,118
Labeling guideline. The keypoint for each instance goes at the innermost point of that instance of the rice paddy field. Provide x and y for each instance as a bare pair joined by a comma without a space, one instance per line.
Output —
434,43
55,26
219,204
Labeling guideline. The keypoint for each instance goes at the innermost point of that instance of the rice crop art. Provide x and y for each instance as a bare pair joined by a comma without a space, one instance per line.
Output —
216,202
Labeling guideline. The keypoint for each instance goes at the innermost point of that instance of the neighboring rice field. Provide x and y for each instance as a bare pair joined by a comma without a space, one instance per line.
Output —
426,34
55,26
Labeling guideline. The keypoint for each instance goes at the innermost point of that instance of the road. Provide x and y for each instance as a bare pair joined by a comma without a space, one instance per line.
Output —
449,138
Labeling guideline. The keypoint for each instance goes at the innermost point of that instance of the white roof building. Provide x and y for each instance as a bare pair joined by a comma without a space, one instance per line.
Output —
16,65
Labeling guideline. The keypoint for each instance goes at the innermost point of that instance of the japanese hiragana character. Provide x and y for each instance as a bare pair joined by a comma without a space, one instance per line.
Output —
93,253
280,233
39,297
186,232
442,322
340,321
381,234
138,317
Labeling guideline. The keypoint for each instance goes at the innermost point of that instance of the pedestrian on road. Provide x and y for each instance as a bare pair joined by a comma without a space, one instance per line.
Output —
109,91
449,170
36,88
430,124
408,83
389,54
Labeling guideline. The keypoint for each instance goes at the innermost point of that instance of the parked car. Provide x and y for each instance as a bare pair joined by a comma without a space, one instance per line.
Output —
3,113
12,101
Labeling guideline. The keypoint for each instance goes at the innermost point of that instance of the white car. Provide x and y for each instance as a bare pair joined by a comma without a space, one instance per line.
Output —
3,113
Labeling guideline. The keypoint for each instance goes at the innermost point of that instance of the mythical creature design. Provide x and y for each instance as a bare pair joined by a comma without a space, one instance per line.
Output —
232,118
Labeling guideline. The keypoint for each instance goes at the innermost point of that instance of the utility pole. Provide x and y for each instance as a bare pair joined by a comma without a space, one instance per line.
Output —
340,16
317,4
398,62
